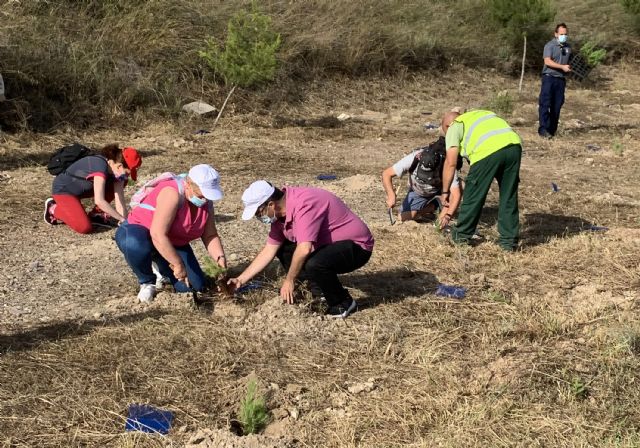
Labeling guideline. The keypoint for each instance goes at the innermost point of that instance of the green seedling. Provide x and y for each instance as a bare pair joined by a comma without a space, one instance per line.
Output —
253,411
579,388
218,274
617,147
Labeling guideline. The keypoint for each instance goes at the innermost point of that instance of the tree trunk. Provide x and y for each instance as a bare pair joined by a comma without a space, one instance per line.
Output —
223,106
524,57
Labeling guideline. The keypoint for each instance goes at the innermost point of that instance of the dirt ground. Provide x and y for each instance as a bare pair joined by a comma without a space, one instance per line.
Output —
543,350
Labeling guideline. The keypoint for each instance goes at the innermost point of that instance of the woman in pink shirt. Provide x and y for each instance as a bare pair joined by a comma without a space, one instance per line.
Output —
177,211
314,235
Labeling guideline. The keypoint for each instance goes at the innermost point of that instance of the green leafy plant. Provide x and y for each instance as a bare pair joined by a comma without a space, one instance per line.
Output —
253,411
579,388
617,147
594,56
501,102
249,54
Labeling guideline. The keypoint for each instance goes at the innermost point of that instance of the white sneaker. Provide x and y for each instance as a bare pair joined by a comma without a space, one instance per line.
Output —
147,293
160,280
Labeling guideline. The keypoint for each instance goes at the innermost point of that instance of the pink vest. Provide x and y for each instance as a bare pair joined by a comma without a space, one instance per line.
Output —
188,224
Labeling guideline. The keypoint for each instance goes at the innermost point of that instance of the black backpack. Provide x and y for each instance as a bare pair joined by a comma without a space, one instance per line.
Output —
426,169
65,156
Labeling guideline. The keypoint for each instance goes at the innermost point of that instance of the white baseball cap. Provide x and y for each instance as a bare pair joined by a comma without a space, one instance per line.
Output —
208,180
254,196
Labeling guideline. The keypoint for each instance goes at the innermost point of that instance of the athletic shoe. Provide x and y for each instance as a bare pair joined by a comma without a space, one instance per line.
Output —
147,293
545,135
160,279
102,219
49,206
343,309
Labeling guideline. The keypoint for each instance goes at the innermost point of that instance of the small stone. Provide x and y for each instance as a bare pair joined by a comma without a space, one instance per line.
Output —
361,387
233,257
588,160
477,278
294,413
199,108
279,413
97,315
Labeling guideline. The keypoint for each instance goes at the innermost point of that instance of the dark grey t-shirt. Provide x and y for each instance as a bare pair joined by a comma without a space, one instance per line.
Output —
77,180
559,53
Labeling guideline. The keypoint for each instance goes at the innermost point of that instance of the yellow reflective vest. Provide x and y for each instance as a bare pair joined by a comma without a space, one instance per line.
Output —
484,133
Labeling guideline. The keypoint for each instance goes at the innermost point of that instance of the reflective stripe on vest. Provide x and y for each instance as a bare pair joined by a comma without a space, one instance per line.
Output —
484,133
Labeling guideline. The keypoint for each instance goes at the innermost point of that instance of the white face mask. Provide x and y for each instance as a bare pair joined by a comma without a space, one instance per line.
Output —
562,38
266,219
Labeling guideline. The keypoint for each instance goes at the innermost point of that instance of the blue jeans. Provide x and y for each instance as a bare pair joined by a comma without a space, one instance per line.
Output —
550,102
134,241
413,202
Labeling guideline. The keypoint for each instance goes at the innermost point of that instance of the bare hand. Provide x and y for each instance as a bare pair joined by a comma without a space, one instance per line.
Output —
179,271
444,218
234,283
287,291
566,68
444,200
391,200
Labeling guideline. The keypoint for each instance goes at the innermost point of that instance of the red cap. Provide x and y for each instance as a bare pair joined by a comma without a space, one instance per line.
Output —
133,160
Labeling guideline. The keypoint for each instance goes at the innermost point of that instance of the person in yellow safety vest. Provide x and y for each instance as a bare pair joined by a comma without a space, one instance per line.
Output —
494,151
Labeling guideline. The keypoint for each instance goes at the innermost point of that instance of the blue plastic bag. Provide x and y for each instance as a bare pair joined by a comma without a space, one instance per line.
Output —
455,292
598,228
327,177
145,418
248,287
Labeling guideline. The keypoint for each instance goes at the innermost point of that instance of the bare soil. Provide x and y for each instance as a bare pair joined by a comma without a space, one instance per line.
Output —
543,350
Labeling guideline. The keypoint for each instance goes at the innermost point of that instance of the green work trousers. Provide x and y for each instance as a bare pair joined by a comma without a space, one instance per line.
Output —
504,166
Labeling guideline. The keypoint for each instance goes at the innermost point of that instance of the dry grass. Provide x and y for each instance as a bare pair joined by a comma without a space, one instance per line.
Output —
543,351
82,63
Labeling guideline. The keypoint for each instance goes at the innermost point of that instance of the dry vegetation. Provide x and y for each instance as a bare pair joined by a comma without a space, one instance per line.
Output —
543,351
82,62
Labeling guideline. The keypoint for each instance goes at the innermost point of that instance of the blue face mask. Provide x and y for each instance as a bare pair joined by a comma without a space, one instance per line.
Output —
265,219
562,38
198,202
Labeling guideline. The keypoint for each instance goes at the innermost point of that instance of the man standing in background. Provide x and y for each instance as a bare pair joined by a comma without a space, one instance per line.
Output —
556,64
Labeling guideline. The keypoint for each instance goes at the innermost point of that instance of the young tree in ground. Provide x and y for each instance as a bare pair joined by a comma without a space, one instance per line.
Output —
520,19
249,54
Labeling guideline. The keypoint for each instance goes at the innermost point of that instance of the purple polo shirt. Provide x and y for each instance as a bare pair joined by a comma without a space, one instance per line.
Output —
319,217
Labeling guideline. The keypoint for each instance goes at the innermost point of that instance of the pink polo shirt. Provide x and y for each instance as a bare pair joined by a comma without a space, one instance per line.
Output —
188,224
319,217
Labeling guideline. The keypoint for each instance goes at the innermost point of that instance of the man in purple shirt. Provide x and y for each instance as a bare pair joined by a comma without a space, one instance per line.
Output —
314,235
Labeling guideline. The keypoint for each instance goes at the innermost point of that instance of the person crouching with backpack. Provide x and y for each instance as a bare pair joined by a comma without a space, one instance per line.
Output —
176,211
100,176
424,166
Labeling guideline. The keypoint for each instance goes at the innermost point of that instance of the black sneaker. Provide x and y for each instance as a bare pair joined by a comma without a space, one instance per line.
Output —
343,309
101,219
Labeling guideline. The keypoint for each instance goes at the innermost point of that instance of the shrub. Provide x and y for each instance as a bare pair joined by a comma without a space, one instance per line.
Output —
253,411
249,54
592,55
632,7
522,17
502,103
